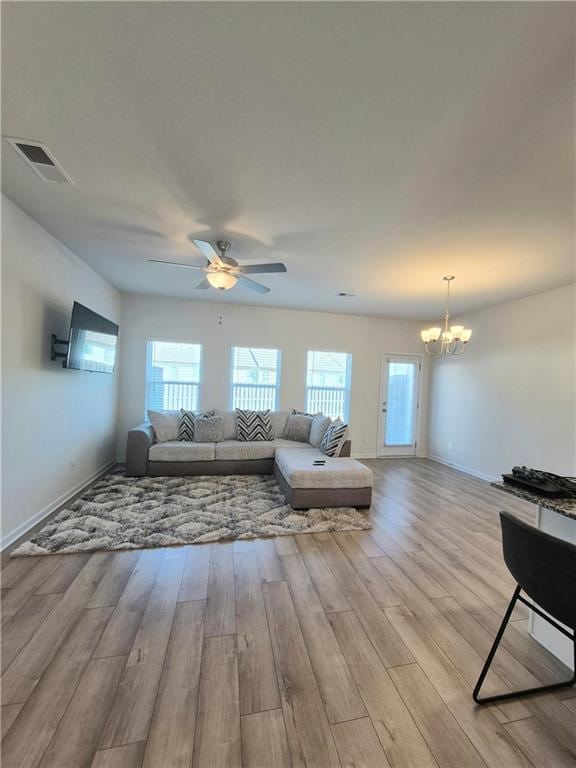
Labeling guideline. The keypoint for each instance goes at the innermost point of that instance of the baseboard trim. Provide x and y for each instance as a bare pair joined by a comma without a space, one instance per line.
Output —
462,468
23,528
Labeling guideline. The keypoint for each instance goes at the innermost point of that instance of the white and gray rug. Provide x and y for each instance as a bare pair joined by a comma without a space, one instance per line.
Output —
118,512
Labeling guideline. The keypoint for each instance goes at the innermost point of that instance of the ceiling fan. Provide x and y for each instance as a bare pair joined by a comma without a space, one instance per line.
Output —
222,271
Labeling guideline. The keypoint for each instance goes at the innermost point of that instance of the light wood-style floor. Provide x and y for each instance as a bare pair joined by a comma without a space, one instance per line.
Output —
352,649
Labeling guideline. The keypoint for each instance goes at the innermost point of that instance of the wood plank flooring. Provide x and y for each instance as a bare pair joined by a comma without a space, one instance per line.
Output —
354,649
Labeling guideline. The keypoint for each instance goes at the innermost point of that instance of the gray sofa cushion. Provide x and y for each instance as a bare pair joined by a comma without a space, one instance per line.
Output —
278,419
238,450
299,471
164,424
297,428
320,424
178,450
230,424
208,430
280,442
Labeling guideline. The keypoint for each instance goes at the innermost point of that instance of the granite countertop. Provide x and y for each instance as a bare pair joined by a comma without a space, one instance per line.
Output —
565,507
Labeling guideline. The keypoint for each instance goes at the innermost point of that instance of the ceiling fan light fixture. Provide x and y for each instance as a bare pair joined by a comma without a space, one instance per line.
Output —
221,280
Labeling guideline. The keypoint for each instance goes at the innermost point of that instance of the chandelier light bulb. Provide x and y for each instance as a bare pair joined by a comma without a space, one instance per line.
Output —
466,334
457,331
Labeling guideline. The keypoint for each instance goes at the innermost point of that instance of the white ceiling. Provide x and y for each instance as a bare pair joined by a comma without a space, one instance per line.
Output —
372,147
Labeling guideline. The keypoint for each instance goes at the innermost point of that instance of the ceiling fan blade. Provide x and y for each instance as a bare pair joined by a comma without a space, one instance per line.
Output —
258,287
209,251
262,268
178,264
203,285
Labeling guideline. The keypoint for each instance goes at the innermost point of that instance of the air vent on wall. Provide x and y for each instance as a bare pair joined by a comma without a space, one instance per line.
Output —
41,160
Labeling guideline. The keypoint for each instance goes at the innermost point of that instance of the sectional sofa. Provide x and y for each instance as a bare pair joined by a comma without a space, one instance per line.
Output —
341,481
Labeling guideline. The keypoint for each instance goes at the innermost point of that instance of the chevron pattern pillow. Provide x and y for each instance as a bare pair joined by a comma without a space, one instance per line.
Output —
254,426
333,438
186,424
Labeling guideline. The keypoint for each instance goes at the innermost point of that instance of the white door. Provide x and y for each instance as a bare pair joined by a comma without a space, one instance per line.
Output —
399,406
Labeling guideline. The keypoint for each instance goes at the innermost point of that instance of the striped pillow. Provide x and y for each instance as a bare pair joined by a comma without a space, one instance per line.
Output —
254,426
333,438
186,426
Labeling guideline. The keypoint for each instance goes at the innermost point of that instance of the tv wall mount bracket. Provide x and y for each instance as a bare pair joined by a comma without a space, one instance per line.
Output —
54,352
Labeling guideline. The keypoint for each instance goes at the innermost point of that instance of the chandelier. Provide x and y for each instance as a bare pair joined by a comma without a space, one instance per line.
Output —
446,342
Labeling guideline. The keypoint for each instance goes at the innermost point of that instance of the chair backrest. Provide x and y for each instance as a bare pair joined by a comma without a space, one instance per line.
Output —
543,565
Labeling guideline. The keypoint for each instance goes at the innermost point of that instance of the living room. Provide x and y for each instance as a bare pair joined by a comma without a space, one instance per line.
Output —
326,255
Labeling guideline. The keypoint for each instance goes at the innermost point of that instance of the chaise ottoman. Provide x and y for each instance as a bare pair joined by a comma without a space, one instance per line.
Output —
340,482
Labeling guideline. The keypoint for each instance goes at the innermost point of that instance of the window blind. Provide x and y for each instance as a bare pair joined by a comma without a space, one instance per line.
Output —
255,378
328,377
172,376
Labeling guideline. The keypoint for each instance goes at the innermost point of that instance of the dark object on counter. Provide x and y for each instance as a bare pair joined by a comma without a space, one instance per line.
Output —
543,483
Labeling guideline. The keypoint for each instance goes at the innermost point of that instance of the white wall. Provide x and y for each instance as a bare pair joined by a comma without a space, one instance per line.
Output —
51,417
292,331
510,399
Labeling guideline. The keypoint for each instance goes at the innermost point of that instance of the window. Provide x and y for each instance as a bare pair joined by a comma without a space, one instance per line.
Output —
172,376
401,399
328,383
255,378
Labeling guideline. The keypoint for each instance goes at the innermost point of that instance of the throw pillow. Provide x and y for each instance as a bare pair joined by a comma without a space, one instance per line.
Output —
302,413
333,438
186,423
297,428
254,426
164,424
186,426
320,424
208,429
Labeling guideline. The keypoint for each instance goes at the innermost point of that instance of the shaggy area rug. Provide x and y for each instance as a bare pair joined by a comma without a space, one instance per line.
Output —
118,512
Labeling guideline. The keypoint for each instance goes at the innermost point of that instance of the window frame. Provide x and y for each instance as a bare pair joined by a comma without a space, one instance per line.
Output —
347,389
151,340
277,386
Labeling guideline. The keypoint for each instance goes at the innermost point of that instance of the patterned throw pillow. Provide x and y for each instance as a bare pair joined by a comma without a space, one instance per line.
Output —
254,426
186,424
333,438
209,429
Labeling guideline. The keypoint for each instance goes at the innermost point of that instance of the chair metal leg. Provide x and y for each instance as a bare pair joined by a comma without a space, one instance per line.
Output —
494,648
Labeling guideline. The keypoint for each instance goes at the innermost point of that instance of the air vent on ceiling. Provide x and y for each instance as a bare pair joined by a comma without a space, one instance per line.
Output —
41,160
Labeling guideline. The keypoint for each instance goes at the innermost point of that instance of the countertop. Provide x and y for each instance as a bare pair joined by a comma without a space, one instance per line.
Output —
565,507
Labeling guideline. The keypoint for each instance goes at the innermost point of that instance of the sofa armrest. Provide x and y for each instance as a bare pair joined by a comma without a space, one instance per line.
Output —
138,444
346,449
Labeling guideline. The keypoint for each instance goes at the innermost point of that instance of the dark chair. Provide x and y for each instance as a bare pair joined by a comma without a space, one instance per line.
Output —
545,569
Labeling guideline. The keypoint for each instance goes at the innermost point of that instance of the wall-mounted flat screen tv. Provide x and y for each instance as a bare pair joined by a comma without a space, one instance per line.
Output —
92,341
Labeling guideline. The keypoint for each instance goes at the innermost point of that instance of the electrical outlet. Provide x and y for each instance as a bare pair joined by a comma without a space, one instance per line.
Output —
73,465
450,445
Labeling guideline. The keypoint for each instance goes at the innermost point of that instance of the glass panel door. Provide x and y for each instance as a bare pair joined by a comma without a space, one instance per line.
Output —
399,406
